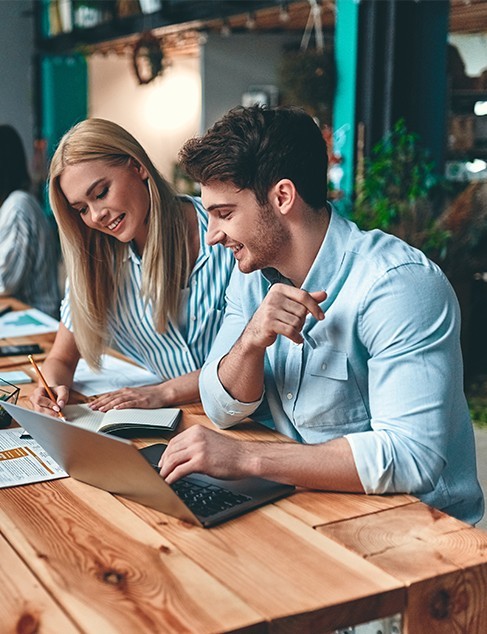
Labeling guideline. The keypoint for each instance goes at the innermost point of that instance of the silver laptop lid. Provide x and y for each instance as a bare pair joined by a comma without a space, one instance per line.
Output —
107,462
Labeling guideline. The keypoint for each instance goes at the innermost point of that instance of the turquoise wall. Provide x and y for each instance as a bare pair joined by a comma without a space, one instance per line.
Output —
346,43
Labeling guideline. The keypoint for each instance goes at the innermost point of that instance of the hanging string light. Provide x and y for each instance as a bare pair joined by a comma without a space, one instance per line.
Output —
226,29
284,12
250,21
314,22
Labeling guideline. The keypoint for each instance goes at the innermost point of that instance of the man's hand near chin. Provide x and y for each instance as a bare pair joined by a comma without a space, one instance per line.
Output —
283,312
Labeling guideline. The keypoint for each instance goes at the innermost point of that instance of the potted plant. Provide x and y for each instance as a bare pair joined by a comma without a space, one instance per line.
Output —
398,192
307,78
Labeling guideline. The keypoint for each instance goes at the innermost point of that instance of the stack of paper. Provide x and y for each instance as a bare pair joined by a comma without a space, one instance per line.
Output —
115,374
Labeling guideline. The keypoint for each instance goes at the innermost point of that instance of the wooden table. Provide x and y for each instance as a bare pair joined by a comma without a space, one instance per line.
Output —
75,559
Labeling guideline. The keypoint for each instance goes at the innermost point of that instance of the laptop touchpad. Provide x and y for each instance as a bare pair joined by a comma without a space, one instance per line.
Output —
153,454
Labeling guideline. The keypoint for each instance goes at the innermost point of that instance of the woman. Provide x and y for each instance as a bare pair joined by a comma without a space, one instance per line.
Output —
140,274
28,252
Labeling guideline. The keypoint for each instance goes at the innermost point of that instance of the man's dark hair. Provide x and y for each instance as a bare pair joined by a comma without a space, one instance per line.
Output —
14,173
256,147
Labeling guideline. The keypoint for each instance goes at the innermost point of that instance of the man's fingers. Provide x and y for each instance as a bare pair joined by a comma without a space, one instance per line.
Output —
175,462
301,298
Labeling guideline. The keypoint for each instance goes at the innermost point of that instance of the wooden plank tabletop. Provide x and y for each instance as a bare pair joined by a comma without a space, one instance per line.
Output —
76,559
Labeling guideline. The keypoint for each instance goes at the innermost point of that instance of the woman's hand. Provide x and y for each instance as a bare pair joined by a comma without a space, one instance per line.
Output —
171,393
145,397
42,403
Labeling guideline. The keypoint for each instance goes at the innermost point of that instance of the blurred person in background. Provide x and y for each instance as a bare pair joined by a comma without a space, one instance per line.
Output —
28,253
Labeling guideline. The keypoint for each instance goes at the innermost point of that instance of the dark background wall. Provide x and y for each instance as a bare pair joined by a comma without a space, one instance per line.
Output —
16,68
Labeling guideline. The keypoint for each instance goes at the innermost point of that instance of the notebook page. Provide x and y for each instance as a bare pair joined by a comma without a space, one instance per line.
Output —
83,416
162,417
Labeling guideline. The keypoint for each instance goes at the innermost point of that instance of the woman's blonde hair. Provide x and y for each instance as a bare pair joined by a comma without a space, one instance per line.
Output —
94,260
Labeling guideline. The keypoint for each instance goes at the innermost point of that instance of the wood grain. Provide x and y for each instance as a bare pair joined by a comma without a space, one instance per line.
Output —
284,570
25,606
441,561
109,570
317,508
76,559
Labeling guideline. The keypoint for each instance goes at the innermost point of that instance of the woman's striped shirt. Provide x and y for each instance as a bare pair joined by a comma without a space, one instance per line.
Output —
183,347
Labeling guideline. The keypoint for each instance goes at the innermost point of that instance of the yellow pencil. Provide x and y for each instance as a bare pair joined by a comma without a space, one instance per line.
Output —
44,382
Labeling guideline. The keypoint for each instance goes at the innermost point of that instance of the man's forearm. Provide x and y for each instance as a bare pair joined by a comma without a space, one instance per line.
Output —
329,466
241,372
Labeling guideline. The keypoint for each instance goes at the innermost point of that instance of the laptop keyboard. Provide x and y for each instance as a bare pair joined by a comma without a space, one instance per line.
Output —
206,500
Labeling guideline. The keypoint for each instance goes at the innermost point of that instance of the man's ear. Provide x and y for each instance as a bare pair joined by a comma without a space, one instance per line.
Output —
283,195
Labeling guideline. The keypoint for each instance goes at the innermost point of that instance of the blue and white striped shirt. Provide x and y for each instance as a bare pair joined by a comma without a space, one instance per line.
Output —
28,253
183,347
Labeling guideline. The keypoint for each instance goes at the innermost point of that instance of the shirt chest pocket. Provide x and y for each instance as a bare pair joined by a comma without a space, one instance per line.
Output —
332,393
329,364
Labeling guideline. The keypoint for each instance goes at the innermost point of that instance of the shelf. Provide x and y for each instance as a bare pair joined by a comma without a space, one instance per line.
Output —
463,101
469,93
173,13
466,155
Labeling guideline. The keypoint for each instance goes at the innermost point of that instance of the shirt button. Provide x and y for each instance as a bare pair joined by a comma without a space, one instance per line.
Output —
324,366
289,396
193,317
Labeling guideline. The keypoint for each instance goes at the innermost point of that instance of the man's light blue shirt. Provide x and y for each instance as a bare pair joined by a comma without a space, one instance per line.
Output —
384,369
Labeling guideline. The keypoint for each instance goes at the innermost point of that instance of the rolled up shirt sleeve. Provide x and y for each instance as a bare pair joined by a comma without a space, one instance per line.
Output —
223,410
410,326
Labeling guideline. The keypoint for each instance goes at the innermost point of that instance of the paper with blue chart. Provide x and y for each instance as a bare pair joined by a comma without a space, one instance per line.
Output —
24,323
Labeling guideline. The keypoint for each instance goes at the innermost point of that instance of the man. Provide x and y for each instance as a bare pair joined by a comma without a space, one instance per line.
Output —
373,392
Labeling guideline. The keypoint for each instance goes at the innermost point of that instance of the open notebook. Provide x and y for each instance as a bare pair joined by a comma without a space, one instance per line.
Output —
133,421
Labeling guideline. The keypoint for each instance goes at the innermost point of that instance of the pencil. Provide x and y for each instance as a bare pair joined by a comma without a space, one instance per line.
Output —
44,382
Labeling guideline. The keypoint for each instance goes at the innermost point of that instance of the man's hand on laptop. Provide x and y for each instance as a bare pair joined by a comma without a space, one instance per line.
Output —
202,450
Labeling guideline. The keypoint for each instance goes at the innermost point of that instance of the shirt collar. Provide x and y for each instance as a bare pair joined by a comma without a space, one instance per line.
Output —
132,254
274,277
328,260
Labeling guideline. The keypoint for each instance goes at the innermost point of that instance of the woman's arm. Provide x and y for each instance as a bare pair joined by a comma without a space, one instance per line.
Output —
58,370
178,391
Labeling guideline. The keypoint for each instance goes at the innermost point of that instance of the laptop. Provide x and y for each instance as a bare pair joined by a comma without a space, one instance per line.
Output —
116,465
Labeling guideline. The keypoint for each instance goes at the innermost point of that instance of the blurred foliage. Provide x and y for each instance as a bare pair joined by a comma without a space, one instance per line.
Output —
182,183
477,401
398,192
307,78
